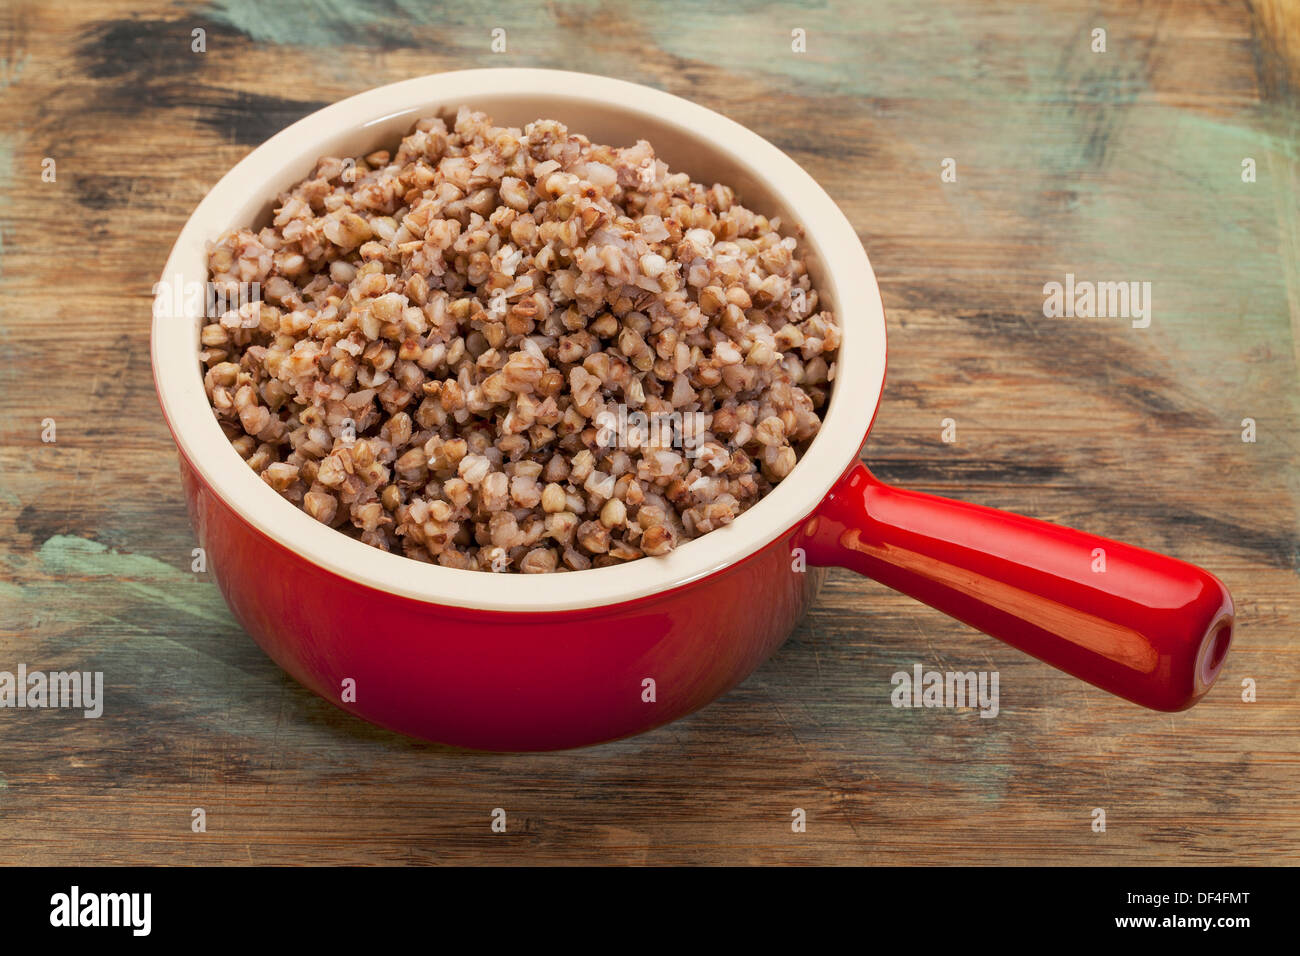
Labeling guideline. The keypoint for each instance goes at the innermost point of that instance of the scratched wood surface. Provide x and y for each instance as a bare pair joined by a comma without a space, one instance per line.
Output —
1115,166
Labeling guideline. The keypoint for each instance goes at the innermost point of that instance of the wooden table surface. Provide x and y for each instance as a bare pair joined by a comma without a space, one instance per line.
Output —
1115,166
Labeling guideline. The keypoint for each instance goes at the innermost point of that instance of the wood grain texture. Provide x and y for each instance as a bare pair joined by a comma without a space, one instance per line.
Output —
1117,166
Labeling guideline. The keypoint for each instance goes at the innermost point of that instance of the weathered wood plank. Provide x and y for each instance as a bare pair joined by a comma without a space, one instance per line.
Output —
1123,165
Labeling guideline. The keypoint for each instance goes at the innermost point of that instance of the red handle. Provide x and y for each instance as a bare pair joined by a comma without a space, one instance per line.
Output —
1147,627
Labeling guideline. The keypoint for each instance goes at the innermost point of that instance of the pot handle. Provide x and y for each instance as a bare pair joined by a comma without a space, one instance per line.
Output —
1150,628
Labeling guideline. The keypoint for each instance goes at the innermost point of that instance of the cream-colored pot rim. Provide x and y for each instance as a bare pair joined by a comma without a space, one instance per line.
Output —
847,283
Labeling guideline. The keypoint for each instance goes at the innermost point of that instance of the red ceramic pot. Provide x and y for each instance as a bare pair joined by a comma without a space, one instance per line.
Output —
539,662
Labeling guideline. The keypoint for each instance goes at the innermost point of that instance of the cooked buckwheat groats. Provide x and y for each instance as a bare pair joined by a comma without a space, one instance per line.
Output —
517,350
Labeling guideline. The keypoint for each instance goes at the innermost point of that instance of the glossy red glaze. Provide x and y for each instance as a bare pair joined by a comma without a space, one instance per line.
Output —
1150,628
501,681
1147,627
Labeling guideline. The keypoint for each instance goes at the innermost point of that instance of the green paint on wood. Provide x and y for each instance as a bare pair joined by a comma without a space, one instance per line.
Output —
338,23
182,649
81,562
296,22
1155,194
11,70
